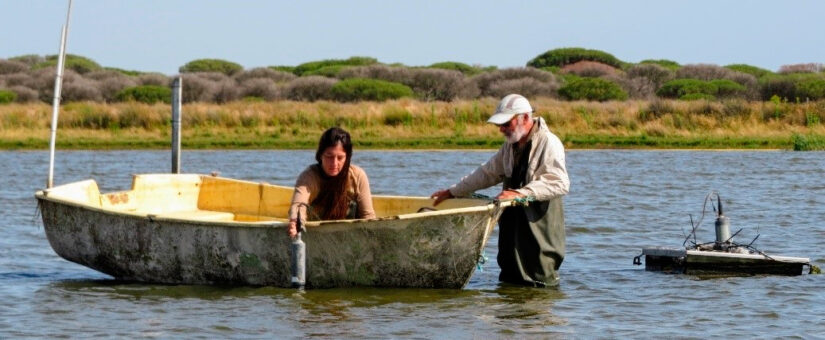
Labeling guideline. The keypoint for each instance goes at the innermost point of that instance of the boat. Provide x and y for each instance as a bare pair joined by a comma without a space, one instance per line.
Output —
205,229
210,230
722,257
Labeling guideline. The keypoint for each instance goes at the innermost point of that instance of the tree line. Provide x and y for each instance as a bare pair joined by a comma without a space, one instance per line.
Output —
565,73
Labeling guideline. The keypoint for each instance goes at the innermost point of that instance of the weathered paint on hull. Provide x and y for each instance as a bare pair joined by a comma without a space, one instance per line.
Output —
427,251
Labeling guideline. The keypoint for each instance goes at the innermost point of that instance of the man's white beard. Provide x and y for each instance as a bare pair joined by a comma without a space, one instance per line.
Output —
517,134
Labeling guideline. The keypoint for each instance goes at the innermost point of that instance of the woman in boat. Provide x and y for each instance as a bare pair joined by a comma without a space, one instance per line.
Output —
333,189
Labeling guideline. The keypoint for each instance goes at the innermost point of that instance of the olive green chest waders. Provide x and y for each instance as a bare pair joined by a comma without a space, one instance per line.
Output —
531,237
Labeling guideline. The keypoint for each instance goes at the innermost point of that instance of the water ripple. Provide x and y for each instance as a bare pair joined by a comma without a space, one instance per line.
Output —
620,201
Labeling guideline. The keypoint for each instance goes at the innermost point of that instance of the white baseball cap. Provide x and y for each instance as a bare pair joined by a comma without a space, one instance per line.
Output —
509,106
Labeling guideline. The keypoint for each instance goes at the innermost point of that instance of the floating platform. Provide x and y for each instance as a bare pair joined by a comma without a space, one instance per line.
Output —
709,262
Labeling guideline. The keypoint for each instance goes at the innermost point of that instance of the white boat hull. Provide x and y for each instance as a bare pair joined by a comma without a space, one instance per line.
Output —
437,249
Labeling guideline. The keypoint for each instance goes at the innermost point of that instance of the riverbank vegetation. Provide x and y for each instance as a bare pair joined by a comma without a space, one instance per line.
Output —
410,123
591,99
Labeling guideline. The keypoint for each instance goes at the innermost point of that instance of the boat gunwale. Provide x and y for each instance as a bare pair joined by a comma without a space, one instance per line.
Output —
491,206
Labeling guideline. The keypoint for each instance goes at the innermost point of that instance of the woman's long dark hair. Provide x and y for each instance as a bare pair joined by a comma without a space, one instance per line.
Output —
333,198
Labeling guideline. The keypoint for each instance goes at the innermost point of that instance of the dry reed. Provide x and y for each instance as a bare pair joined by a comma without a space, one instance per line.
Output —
285,123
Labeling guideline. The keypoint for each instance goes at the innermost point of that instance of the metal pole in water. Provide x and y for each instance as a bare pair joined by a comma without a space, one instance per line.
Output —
176,105
298,257
58,83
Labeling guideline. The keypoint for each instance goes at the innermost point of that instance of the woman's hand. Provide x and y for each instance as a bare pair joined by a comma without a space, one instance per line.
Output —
292,228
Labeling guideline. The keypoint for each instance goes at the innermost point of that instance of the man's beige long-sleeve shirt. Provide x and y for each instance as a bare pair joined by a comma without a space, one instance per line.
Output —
546,172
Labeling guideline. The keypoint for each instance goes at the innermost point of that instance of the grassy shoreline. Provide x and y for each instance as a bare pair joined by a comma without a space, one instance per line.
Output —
73,140
412,124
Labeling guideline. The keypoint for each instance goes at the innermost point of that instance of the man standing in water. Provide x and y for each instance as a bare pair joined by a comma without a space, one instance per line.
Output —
532,168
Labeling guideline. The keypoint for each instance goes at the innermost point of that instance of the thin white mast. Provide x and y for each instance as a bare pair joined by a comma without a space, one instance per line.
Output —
58,82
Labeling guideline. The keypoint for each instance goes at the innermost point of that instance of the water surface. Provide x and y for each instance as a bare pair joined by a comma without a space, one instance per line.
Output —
620,201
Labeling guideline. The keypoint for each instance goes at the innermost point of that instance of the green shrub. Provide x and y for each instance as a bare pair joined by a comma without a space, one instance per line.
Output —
394,116
211,65
315,65
282,68
568,77
552,69
592,89
564,56
330,71
793,86
253,99
7,96
812,119
467,70
72,62
808,143
697,96
811,89
668,64
28,59
149,94
752,70
679,87
728,88
356,89
781,86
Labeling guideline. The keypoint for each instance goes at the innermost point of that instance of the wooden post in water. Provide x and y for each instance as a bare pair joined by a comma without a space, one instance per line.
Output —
58,83
176,105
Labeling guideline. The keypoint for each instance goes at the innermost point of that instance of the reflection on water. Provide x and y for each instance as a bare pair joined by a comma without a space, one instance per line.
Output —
620,202
524,310
327,313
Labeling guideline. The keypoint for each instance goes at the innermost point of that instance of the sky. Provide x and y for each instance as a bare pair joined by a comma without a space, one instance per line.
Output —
162,35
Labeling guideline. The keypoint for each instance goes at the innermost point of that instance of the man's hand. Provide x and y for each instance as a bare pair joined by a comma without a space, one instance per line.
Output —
509,194
441,195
